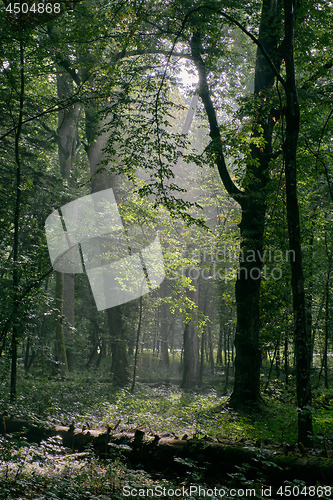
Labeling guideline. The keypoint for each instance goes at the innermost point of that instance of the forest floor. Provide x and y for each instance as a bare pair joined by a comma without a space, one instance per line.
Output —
47,470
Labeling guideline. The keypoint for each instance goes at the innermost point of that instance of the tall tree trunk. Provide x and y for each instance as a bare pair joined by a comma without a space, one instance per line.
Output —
60,337
227,357
67,131
286,364
202,355
309,287
164,326
191,369
191,365
119,366
69,319
302,337
67,138
248,359
324,364
137,345
271,365
252,200
219,360
210,348
16,242
278,362
96,144
246,391
327,311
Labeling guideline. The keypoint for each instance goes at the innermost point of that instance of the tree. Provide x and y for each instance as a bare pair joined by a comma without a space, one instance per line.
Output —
67,140
302,335
274,44
125,83
191,365
17,216
27,202
252,199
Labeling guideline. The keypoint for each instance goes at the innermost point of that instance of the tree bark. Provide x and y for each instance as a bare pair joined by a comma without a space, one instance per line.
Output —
100,181
191,365
210,348
159,454
67,132
137,345
286,364
69,317
119,366
16,236
324,363
164,325
302,337
60,337
67,139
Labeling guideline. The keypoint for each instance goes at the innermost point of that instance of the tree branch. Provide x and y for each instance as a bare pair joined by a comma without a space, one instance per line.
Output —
66,65
122,54
236,23
51,109
215,135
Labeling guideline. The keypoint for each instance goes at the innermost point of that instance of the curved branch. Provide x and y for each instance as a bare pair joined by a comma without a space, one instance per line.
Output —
259,45
215,135
240,26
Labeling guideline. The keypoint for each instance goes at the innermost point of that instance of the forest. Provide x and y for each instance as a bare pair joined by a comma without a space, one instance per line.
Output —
166,250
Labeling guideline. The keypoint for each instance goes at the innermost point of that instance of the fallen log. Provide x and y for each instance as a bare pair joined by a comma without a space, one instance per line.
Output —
176,456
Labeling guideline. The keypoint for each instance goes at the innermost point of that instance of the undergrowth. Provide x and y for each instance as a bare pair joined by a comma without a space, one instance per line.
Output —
96,403
48,471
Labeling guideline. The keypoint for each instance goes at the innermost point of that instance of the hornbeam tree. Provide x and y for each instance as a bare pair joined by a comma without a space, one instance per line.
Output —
252,199
275,45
